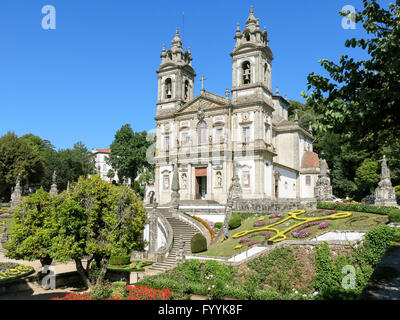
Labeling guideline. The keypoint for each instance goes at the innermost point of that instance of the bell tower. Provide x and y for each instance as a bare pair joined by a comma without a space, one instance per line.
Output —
251,60
175,76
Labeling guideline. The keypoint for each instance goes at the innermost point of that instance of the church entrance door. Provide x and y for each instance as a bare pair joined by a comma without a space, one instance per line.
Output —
201,183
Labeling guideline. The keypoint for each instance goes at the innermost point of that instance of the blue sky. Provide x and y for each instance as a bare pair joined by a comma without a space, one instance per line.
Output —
96,71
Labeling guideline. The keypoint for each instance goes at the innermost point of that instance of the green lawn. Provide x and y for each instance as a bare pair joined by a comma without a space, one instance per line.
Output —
9,222
357,221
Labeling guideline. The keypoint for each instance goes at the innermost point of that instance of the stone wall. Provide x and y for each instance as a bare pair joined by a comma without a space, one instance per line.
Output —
281,205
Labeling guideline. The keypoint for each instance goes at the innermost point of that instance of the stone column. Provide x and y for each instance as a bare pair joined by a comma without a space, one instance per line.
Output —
153,239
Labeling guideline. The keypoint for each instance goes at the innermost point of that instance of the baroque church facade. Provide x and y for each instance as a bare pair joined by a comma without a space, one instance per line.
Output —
246,133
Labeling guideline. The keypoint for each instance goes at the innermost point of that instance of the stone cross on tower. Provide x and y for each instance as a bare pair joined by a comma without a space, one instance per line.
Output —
202,79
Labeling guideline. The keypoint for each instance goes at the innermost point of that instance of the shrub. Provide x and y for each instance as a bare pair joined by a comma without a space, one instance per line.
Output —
355,207
101,292
198,243
120,260
119,289
218,225
394,215
235,222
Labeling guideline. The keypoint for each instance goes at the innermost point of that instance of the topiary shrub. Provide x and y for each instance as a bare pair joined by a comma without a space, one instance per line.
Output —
394,215
235,222
198,243
218,225
121,260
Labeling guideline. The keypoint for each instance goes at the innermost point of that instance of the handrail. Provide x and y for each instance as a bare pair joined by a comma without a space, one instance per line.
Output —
166,249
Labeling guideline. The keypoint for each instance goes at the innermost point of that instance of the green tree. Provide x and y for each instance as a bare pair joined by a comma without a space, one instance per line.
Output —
358,101
97,219
367,177
18,157
31,233
111,174
128,153
69,164
361,97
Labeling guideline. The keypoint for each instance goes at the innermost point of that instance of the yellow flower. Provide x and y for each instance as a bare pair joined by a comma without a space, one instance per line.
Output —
239,246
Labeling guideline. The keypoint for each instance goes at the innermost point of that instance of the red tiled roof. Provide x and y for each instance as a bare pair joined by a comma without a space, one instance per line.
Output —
107,150
310,160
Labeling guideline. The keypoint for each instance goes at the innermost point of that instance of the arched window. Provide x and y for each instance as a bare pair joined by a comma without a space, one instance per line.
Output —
187,87
246,72
247,36
265,72
168,88
202,133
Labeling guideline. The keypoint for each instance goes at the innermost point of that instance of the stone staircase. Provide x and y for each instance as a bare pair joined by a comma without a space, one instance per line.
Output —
179,228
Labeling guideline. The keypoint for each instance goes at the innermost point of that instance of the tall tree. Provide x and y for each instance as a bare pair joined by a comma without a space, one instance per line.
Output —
128,153
96,219
357,105
362,97
69,164
18,157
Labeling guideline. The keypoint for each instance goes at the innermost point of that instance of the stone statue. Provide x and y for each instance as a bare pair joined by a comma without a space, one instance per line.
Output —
385,194
323,188
53,189
235,190
184,181
17,193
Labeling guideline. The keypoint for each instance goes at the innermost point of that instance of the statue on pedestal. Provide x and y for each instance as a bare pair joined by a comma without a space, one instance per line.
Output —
323,188
16,194
385,195
53,189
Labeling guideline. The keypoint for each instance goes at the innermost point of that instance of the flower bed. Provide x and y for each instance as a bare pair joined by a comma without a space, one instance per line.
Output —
132,293
212,232
10,271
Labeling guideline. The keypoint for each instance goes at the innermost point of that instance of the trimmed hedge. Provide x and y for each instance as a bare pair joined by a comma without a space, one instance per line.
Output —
218,225
198,243
120,260
394,215
235,222
392,212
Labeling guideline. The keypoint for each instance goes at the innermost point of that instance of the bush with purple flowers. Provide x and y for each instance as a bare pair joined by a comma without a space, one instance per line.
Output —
266,234
244,240
323,225
252,243
259,224
304,234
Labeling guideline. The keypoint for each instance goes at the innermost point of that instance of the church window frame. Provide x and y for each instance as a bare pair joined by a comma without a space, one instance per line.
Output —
168,88
308,180
186,90
219,135
202,130
246,72
246,178
166,142
246,134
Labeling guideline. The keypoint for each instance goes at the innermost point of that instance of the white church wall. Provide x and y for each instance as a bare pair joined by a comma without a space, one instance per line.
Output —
287,183
268,171
307,191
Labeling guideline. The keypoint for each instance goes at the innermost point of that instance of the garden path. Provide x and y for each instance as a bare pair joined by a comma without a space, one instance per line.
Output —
385,281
